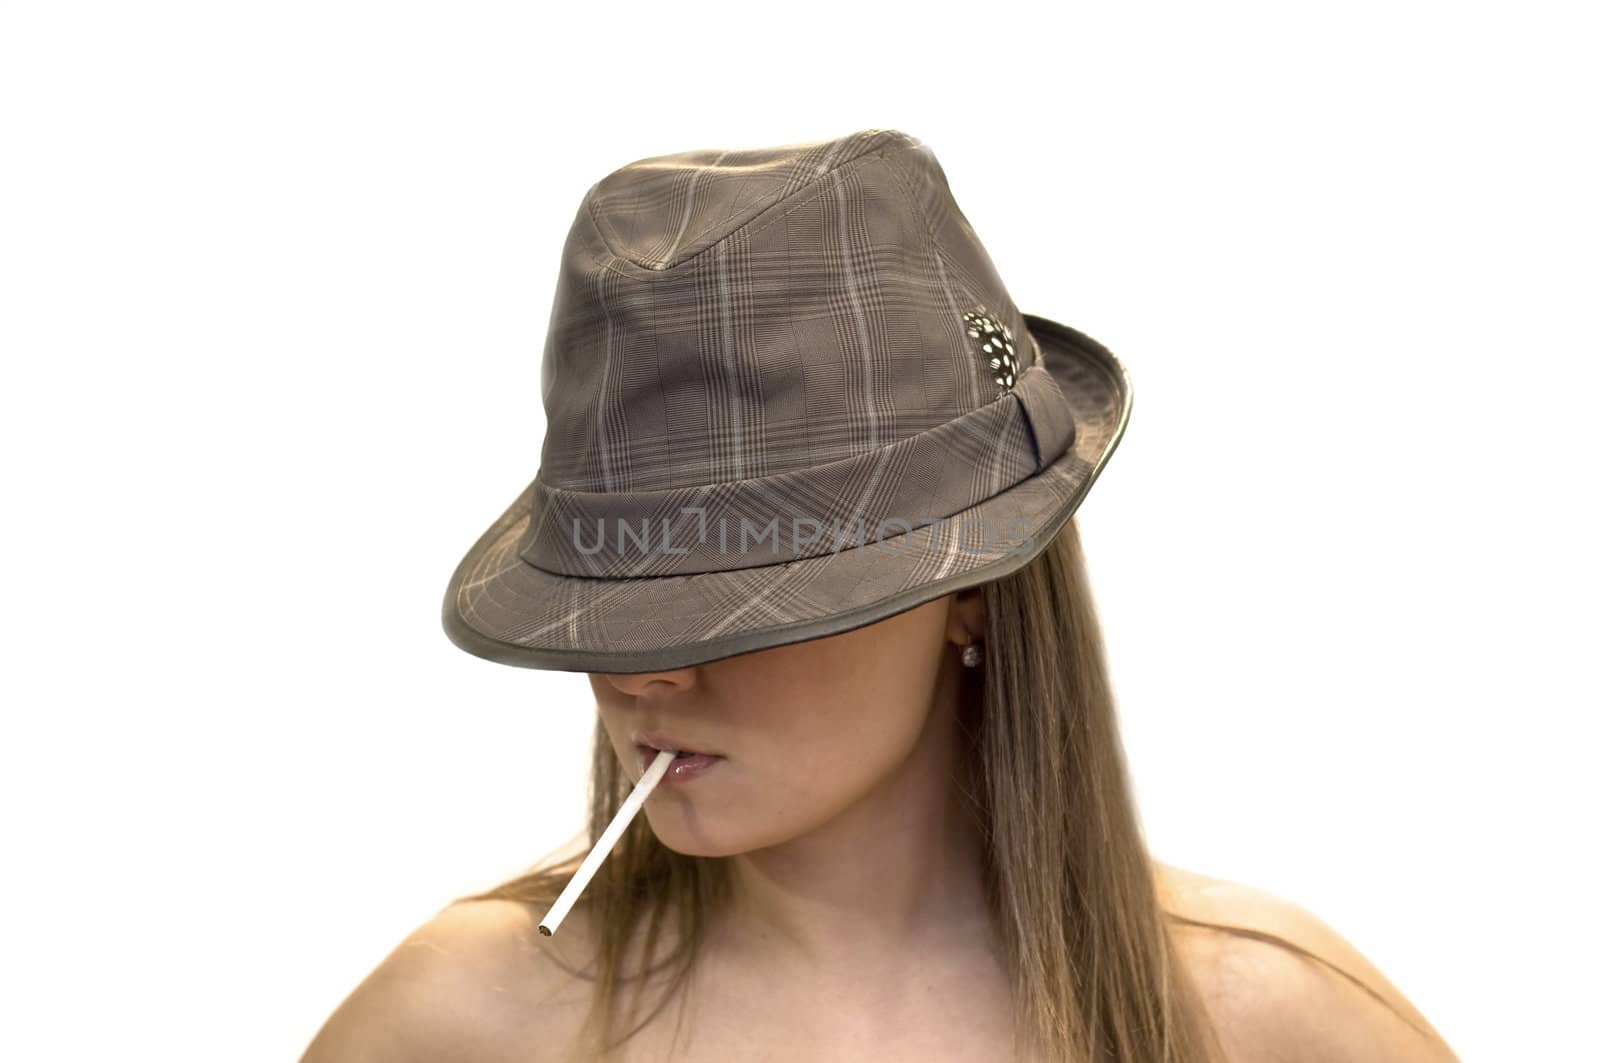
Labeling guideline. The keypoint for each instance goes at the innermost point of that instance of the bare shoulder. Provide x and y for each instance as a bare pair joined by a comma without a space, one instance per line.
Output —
475,982
1270,1002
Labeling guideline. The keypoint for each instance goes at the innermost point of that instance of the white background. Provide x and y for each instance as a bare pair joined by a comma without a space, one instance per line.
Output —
275,283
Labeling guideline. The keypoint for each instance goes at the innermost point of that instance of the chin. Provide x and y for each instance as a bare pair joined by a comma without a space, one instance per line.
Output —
695,837
685,844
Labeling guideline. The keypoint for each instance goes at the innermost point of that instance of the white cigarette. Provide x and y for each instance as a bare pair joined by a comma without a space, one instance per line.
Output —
608,840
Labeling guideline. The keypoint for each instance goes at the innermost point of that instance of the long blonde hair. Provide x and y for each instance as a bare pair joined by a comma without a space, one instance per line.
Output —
1068,878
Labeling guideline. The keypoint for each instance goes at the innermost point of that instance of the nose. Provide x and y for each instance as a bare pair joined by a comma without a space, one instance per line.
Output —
659,684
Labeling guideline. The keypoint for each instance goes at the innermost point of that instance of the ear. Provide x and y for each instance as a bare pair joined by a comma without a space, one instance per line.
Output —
967,620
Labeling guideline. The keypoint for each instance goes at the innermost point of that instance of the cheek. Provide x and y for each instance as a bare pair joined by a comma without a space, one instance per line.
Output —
838,715
823,762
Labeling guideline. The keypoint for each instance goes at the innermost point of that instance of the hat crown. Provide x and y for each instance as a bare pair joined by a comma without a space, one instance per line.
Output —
661,211
722,315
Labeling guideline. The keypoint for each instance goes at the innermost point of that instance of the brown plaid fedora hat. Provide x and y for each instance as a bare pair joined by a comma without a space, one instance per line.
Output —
786,395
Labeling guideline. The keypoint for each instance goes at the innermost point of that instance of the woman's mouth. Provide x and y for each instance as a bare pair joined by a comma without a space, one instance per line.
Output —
685,765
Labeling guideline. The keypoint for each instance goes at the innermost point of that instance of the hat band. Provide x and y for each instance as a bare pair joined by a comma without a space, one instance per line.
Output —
871,498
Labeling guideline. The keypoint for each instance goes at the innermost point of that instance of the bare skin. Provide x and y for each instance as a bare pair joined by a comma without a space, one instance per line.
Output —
833,801
477,984
858,930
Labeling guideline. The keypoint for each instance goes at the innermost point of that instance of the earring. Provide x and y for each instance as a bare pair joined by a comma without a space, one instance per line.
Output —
972,654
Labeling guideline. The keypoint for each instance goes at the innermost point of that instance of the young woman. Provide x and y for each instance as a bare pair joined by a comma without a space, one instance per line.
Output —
913,837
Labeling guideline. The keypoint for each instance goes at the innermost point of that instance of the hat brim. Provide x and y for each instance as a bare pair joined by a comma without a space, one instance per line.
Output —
501,608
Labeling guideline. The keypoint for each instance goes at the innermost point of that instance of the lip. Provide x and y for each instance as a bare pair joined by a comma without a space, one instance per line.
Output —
683,768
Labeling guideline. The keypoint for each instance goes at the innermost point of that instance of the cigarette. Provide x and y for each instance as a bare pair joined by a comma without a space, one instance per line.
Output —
608,840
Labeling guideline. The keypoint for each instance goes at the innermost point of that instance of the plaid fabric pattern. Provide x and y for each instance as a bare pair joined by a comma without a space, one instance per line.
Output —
804,512
768,417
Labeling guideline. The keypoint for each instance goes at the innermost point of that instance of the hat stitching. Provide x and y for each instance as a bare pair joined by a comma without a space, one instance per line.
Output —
824,183
935,247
